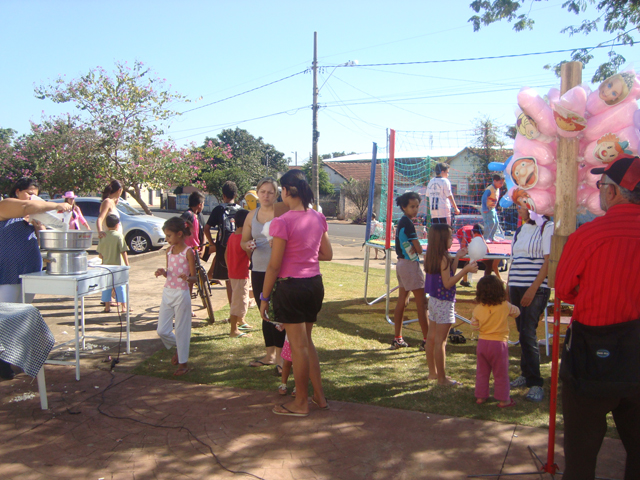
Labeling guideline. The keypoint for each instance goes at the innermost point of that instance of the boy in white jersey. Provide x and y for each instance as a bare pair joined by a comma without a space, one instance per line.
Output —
441,202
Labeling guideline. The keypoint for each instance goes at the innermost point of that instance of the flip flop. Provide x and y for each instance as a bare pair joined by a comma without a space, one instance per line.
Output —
245,326
242,334
259,363
182,371
174,359
512,403
326,407
288,412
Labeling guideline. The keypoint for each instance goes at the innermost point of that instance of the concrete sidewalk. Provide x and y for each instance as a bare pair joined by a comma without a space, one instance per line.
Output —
350,441
150,425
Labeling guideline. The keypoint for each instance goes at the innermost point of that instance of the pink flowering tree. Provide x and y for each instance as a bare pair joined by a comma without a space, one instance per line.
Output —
12,166
64,154
127,110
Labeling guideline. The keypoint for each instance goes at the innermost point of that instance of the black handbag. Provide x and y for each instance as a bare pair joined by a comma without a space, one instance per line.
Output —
602,361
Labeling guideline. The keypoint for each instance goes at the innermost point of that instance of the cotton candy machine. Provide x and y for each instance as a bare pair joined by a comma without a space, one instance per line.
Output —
66,250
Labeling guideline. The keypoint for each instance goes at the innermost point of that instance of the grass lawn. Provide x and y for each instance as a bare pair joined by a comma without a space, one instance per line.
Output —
353,342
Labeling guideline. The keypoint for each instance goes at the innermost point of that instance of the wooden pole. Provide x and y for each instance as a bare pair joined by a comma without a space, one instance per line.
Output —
565,224
315,134
566,178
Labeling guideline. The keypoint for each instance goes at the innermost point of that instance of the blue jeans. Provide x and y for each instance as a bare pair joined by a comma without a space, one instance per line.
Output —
491,224
120,295
527,324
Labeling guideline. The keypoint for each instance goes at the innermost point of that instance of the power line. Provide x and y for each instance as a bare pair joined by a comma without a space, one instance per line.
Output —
471,59
245,92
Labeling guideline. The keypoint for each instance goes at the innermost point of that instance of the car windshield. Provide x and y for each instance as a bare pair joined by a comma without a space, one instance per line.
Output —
124,208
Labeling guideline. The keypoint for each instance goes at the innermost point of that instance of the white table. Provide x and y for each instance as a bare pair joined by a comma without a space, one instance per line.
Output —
78,286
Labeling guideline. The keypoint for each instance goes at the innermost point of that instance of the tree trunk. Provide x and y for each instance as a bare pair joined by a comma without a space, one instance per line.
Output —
135,193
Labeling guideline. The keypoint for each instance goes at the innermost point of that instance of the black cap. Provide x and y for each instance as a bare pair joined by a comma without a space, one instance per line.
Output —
624,171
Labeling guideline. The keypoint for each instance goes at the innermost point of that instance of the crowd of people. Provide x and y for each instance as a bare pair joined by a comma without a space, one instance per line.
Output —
274,251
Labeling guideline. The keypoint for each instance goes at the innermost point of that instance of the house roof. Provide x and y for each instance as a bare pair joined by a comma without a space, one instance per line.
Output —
355,170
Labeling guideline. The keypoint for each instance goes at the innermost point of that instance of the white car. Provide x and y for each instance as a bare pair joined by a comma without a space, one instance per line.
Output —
141,231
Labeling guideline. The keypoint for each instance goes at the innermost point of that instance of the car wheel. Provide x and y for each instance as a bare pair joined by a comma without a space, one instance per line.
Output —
138,242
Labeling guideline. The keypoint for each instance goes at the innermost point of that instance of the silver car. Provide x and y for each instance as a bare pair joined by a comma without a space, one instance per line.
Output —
141,231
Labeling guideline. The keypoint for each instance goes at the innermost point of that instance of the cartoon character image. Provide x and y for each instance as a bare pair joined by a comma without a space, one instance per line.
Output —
609,148
568,121
616,88
522,198
524,172
527,126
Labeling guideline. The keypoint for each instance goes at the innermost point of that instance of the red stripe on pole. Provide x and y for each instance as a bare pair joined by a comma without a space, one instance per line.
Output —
551,466
390,185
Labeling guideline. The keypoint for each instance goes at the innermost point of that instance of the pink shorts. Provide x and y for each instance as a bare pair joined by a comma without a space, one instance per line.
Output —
239,297
410,275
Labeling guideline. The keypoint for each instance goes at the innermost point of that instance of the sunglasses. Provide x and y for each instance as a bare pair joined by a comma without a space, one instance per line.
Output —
600,183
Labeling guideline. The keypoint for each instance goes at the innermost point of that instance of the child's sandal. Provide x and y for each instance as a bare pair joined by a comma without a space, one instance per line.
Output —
282,389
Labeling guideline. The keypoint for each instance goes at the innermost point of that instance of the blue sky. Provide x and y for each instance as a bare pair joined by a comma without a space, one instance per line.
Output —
216,49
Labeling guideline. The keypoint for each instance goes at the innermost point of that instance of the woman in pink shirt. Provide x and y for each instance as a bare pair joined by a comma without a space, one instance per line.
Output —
300,241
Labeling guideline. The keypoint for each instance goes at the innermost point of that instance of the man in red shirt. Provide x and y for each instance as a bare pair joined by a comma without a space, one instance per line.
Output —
598,273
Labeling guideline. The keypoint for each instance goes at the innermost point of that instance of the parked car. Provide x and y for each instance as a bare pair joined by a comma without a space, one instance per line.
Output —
141,231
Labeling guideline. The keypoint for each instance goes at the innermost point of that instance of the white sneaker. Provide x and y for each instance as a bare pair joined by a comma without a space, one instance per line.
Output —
536,394
518,382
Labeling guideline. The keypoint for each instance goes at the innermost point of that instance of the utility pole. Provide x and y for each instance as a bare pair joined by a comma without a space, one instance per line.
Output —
316,134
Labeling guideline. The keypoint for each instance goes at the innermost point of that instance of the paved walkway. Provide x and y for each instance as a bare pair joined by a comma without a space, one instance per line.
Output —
73,440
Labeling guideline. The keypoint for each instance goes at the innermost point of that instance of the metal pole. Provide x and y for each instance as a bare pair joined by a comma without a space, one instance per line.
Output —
315,133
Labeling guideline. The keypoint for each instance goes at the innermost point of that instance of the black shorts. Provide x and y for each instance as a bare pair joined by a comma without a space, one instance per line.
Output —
272,336
298,300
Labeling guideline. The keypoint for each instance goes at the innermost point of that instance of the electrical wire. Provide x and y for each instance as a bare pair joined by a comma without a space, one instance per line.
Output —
114,362
245,92
473,59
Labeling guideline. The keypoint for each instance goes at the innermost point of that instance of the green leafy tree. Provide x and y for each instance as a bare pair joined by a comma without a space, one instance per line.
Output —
324,184
618,17
127,110
250,153
217,178
7,134
13,166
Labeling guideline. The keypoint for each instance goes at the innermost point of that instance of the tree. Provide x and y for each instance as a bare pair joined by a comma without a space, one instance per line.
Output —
358,192
64,156
126,111
252,154
324,184
488,143
619,17
12,166
7,134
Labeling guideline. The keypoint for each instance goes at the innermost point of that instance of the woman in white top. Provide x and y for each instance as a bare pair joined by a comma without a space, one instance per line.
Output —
529,292
110,197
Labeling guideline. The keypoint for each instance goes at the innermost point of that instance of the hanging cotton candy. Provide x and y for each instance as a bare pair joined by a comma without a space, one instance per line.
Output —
477,249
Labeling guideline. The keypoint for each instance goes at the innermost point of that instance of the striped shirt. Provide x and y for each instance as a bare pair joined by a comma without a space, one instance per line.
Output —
530,246
601,258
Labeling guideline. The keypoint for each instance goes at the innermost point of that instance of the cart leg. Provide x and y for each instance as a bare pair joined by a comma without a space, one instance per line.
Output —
77,339
82,323
128,322
42,390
